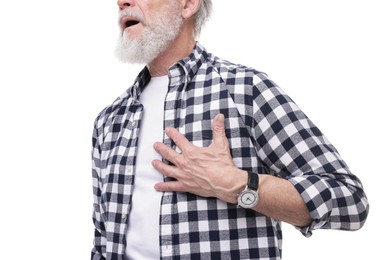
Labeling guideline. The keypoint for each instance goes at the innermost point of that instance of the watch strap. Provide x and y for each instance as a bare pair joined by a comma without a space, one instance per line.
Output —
253,181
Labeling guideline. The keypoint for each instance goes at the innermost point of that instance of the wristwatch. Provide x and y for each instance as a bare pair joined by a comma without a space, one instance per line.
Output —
249,197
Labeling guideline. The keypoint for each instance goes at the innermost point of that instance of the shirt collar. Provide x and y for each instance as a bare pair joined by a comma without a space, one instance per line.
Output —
191,64
183,70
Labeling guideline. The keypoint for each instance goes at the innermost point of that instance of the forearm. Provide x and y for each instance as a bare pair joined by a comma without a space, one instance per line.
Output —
99,240
280,200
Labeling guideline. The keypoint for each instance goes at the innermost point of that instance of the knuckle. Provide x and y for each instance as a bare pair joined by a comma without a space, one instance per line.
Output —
183,164
165,152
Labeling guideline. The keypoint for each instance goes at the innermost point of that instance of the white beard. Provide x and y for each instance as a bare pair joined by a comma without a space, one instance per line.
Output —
155,38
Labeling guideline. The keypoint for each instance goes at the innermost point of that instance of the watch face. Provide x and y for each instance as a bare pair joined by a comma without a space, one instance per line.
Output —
248,198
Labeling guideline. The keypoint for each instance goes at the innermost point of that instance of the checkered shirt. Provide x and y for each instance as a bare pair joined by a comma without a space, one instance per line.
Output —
267,133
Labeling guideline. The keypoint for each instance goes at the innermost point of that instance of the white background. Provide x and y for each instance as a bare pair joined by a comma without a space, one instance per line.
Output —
57,71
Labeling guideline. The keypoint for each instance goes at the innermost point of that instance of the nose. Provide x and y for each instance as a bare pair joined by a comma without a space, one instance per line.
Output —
125,3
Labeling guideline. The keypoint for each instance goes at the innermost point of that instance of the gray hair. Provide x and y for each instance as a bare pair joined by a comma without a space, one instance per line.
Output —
203,14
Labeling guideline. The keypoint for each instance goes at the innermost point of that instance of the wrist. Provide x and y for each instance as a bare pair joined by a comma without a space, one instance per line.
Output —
249,197
237,184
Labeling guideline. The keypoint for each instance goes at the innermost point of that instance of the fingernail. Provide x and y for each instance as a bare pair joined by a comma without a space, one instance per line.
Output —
220,117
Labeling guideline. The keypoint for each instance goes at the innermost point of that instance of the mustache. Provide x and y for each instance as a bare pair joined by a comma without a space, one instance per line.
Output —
130,13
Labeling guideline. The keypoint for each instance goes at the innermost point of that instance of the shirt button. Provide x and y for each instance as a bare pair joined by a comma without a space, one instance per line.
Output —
133,124
308,234
129,169
124,216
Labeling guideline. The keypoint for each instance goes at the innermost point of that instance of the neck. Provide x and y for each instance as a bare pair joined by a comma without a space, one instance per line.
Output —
180,48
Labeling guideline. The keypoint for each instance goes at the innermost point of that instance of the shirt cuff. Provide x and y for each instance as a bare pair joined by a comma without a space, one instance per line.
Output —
317,195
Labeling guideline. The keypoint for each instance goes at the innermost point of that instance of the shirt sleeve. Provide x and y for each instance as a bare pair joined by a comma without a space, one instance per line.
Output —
295,149
99,242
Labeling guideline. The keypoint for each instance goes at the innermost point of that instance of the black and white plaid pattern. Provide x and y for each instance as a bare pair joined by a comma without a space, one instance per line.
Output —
268,134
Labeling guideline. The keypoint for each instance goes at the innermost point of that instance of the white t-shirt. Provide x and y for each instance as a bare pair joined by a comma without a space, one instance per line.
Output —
143,228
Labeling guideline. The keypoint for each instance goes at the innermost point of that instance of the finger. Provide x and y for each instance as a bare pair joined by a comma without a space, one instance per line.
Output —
166,152
180,140
165,169
169,186
218,126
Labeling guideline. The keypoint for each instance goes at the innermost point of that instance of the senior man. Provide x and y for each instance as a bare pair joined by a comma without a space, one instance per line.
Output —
202,158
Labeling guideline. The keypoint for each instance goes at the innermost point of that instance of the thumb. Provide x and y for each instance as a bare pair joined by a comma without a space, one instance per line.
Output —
218,126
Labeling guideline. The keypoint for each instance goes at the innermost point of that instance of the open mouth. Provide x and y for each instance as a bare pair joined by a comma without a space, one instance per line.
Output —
129,22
